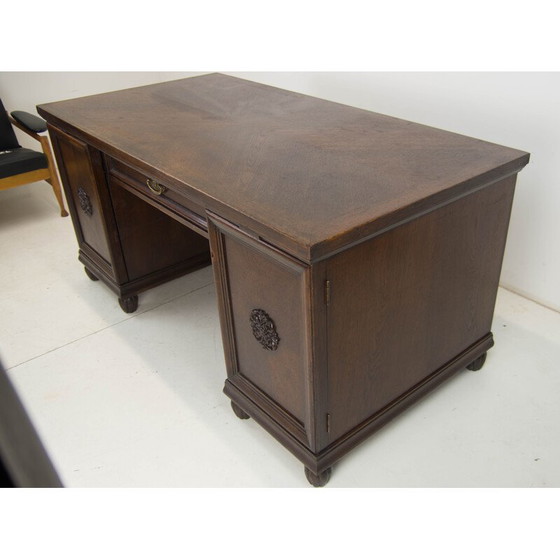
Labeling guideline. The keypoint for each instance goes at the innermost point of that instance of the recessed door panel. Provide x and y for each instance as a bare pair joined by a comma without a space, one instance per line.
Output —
264,321
80,183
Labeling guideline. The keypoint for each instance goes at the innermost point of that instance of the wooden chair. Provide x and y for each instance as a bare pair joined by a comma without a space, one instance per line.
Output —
19,166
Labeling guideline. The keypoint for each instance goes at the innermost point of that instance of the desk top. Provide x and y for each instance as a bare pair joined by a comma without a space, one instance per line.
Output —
308,175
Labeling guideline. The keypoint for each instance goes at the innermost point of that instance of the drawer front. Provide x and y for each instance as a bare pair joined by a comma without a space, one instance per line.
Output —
82,186
160,194
263,296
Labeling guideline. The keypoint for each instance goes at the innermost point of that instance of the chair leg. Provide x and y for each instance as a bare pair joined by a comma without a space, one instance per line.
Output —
53,180
58,193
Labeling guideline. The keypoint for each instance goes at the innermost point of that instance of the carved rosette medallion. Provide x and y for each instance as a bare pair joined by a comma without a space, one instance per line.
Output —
85,202
264,329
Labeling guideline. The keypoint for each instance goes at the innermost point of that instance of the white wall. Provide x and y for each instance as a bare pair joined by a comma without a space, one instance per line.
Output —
23,91
520,110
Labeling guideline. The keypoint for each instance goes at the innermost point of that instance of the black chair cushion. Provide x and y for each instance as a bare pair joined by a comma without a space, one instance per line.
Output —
21,160
31,122
8,140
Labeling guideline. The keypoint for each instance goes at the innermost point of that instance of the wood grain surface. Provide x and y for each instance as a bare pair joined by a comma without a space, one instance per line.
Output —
308,175
368,247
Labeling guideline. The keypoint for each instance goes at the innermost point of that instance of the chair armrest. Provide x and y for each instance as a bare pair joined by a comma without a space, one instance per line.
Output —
31,122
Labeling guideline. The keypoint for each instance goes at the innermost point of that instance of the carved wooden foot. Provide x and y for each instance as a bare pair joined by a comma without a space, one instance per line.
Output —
129,304
318,480
91,275
239,412
478,363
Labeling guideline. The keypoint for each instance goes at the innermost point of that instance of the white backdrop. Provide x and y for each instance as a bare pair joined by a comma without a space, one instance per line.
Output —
517,109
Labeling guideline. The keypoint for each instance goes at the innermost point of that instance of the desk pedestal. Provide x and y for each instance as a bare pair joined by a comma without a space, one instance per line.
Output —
321,354
124,240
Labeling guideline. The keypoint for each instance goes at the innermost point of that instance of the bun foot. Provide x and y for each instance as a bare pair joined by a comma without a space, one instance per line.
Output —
318,480
91,275
478,363
239,412
129,304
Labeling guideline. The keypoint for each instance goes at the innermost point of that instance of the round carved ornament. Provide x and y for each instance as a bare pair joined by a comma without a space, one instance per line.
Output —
85,202
264,330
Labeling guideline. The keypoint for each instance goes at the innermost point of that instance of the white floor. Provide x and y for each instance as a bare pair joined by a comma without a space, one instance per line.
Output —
136,400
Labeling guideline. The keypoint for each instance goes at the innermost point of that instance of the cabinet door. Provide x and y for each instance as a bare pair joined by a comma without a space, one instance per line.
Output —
264,310
83,177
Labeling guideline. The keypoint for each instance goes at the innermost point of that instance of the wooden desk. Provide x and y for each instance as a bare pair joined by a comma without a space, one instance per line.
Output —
356,256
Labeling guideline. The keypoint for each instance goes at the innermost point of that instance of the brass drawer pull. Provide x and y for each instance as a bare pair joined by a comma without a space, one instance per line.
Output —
155,187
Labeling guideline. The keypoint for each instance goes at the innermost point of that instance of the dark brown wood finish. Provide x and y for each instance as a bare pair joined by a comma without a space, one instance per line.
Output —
150,240
408,301
123,239
86,192
258,277
308,175
356,256
167,200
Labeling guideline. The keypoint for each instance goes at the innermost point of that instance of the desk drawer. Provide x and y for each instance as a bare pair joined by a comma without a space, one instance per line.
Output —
160,194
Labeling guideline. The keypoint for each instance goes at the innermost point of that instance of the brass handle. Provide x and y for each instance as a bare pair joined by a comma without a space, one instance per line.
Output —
155,187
